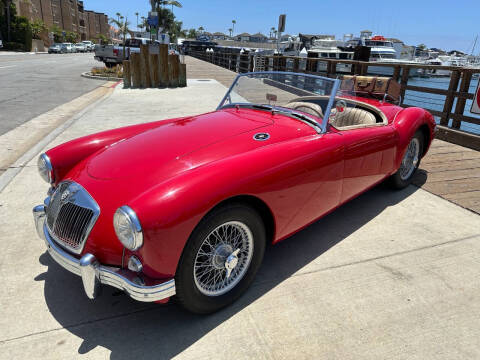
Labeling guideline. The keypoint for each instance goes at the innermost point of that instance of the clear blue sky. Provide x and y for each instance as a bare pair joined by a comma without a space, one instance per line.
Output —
436,23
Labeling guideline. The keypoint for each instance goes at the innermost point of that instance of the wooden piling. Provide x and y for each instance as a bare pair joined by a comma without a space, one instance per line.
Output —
173,65
136,70
126,74
145,66
182,76
153,61
163,65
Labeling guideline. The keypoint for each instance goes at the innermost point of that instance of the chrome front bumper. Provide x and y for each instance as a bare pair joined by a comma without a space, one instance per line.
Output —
94,274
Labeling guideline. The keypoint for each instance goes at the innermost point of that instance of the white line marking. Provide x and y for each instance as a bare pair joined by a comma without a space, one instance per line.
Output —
4,67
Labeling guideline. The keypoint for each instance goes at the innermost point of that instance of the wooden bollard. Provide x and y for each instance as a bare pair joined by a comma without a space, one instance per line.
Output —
145,66
182,76
135,69
163,65
155,80
173,65
127,80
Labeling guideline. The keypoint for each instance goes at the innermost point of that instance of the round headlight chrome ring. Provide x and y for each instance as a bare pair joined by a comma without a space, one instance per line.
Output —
45,168
128,228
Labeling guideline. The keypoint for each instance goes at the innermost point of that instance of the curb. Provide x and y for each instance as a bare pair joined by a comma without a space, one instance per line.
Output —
88,75
14,169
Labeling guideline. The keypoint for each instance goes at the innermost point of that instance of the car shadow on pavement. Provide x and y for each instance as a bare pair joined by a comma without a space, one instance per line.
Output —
131,329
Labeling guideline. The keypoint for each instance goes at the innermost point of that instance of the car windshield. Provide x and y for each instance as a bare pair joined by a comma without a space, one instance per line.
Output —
282,92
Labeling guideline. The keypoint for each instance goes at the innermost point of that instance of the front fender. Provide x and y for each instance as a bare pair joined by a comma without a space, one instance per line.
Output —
282,176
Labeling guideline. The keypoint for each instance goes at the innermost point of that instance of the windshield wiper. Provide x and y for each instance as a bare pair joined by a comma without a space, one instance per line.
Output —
306,118
301,117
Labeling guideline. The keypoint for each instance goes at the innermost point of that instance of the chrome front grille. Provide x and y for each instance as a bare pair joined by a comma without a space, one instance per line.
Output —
71,214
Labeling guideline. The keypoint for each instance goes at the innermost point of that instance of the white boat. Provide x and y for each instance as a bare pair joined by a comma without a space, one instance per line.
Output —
443,60
381,51
329,49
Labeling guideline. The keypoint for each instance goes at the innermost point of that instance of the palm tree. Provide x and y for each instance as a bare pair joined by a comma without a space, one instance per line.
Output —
201,29
233,25
123,27
231,31
118,16
136,14
272,30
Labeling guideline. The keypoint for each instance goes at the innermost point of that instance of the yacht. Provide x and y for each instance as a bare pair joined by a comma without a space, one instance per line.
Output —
330,48
381,50
442,60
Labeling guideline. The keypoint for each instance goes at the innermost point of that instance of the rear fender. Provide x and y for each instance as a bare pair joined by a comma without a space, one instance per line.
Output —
407,122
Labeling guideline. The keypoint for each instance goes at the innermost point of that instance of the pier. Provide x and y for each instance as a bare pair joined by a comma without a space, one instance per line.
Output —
449,170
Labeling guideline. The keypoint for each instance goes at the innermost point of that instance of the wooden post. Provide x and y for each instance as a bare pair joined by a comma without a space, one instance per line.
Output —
460,107
173,65
450,98
404,81
126,74
145,64
136,70
154,70
163,65
364,69
396,73
182,76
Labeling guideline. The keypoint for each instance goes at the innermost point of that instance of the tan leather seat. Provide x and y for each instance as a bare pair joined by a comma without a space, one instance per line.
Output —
353,117
306,107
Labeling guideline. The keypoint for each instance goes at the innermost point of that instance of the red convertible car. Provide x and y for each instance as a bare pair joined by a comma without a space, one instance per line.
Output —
185,207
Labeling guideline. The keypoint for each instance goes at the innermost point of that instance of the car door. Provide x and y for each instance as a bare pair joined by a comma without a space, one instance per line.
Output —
368,158
317,187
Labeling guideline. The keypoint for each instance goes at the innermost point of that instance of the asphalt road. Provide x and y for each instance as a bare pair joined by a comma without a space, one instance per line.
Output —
33,84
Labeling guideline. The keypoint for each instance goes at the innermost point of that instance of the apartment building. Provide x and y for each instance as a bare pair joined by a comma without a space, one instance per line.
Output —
68,15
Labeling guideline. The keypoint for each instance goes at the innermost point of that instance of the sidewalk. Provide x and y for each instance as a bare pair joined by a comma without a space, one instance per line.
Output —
390,275
2,53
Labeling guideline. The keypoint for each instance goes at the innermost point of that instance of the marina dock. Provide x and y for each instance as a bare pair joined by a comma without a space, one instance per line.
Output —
449,170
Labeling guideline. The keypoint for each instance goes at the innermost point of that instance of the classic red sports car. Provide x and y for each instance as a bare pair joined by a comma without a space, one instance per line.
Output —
185,207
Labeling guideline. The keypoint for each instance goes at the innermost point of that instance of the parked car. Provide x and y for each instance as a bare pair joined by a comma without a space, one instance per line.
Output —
80,47
69,48
185,207
112,55
89,45
56,49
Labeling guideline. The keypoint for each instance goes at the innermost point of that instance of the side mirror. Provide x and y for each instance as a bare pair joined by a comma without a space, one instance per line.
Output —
341,105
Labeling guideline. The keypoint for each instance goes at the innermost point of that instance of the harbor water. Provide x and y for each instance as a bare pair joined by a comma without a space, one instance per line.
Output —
436,102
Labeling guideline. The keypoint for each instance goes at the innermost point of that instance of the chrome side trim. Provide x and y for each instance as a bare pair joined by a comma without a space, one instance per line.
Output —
93,274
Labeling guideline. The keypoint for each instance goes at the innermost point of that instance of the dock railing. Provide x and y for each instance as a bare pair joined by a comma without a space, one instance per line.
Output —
450,103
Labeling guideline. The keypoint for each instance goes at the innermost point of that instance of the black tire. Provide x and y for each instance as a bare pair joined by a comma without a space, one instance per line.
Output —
187,292
109,65
396,181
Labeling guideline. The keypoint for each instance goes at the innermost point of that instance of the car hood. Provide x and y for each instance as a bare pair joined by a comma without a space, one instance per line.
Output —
157,149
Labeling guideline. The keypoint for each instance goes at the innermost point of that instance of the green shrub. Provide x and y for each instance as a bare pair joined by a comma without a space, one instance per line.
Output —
22,32
14,46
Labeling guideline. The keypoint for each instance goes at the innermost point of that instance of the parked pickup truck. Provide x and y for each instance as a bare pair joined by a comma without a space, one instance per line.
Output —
112,55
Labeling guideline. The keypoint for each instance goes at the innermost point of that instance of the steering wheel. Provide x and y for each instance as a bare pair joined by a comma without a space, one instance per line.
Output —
306,107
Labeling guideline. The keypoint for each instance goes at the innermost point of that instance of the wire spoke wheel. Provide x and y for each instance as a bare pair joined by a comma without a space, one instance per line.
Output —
410,159
223,258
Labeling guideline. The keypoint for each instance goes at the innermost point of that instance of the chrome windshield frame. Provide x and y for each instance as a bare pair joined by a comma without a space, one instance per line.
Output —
336,86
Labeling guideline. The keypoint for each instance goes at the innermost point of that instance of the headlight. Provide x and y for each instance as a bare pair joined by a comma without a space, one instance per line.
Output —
128,228
45,168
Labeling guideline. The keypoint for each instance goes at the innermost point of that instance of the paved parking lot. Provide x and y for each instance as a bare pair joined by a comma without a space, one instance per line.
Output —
391,275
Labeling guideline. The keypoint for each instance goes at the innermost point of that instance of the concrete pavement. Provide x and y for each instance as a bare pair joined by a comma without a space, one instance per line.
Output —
391,275
34,84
